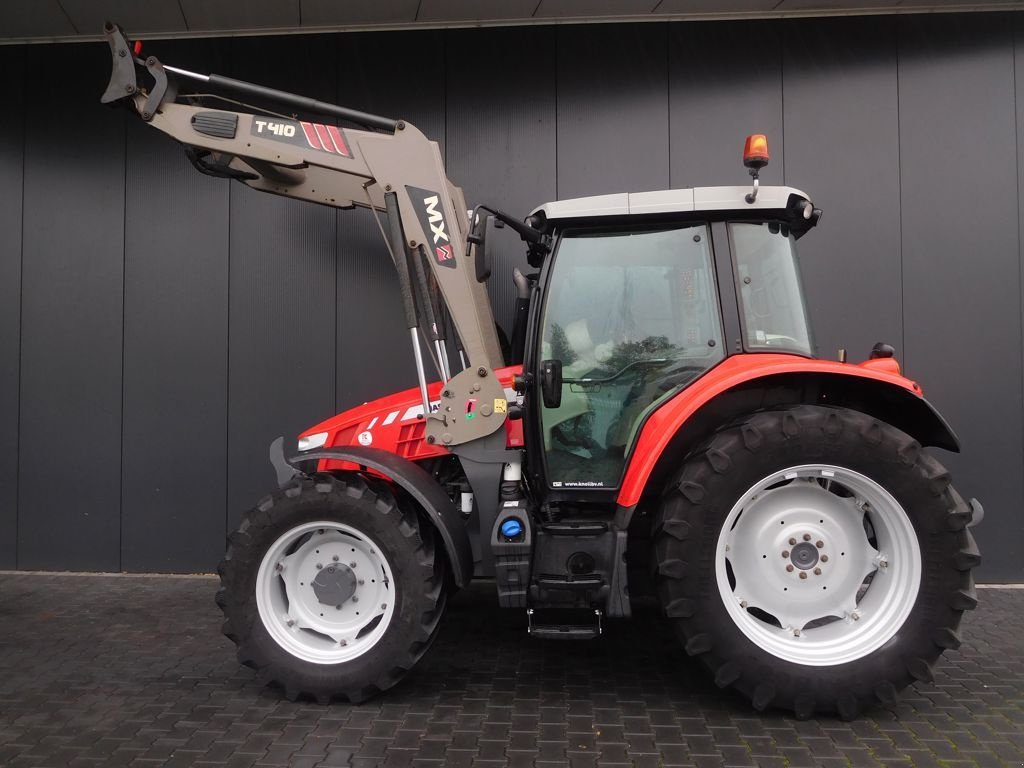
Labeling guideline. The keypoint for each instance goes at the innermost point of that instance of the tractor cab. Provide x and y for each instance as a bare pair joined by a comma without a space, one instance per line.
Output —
641,295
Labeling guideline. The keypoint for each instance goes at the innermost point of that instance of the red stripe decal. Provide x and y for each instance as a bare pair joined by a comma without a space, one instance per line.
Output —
339,141
314,142
325,138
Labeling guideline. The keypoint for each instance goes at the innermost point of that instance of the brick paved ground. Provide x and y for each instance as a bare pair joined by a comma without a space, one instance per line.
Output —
110,671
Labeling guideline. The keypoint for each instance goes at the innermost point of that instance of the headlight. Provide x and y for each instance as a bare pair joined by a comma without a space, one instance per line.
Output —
309,442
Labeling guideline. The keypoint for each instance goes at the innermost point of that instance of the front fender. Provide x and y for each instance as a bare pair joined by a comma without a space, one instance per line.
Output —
745,383
420,486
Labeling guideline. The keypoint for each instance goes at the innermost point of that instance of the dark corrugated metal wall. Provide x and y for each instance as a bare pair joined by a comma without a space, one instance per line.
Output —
159,328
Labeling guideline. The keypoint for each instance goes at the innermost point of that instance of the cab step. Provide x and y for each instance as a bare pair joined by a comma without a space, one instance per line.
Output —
565,630
576,528
583,583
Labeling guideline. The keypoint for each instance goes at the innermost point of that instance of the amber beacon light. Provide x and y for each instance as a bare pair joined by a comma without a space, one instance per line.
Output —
755,157
755,151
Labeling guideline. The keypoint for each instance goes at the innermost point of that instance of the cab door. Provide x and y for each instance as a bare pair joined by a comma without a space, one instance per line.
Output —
630,316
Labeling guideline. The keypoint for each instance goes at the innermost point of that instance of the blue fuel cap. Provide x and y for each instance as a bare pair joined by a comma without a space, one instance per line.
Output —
512,528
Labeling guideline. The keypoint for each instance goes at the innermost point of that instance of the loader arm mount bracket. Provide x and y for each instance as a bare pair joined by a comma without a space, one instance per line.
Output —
158,92
221,170
123,82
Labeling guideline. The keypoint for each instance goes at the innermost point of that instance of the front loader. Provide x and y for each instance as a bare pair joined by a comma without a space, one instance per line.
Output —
658,425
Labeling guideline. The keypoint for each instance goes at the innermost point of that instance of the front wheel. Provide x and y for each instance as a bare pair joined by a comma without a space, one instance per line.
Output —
332,588
814,558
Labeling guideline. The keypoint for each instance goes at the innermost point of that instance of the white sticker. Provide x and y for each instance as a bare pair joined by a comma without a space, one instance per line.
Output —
365,438
511,504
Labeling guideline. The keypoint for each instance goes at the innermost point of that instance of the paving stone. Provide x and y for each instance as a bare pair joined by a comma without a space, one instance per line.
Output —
132,671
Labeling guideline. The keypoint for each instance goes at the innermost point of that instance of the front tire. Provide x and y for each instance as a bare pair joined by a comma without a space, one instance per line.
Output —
816,559
332,588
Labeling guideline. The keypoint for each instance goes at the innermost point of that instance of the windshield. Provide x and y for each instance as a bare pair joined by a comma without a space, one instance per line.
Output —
633,317
772,301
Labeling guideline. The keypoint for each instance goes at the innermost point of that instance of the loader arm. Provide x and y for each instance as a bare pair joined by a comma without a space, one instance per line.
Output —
391,168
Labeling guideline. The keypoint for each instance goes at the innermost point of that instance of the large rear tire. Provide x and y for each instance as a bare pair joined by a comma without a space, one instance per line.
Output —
814,558
332,588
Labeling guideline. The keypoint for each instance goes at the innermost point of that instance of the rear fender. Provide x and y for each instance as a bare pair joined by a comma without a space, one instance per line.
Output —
421,487
742,385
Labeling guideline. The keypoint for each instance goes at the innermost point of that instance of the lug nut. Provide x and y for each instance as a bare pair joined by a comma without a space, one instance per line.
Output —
824,558
789,568
792,542
291,622
383,606
360,582
803,574
807,537
335,558
355,599
785,553
817,571
279,567
796,633
819,544
352,564
319,566
743,603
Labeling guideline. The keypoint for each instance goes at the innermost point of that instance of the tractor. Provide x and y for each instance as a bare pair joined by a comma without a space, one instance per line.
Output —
656,425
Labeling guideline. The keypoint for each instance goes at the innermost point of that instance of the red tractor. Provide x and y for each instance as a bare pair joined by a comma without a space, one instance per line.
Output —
658,423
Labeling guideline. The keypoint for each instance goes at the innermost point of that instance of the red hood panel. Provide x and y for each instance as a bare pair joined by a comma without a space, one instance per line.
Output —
394,423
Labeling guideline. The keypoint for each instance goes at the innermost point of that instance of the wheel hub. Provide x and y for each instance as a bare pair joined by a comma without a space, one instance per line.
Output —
334,584
804,555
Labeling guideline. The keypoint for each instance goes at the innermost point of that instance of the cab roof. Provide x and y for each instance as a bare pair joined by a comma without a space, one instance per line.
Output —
670,201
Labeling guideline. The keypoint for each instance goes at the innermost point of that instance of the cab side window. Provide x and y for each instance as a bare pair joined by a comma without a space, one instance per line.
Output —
633,318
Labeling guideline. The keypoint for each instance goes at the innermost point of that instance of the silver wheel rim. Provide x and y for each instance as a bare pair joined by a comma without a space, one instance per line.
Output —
329,561
818,565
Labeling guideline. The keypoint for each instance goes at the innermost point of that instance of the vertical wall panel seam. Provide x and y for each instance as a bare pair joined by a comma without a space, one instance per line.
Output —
227,375
338,336
21,310
668,95
444,97
1016,150
782,93
557,58
897,36
124,291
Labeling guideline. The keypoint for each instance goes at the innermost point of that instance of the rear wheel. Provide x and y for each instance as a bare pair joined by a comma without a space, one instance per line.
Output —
814,558
332,588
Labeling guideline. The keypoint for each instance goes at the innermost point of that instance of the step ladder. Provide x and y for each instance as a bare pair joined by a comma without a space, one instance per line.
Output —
565,630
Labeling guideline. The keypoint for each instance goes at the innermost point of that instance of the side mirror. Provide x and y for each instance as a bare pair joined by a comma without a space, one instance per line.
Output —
482,223
551,382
